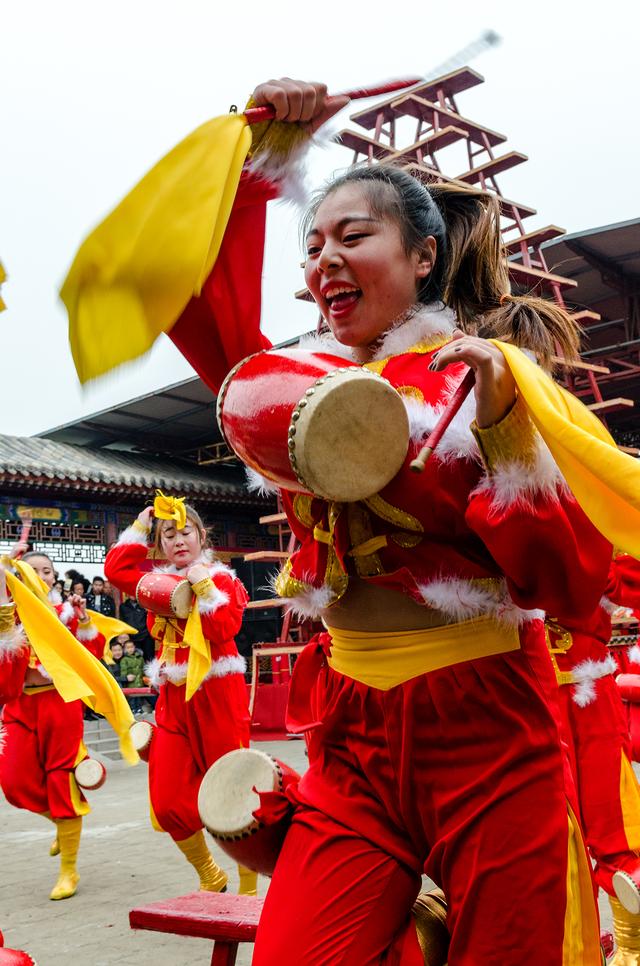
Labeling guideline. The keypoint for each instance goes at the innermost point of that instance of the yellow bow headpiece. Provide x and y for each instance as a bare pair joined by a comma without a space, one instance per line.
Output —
170,508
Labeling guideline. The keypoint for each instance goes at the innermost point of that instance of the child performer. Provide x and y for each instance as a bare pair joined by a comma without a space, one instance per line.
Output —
433,744
43,733
600,748
201,719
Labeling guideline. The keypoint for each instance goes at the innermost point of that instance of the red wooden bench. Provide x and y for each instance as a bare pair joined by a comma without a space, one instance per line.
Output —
226,919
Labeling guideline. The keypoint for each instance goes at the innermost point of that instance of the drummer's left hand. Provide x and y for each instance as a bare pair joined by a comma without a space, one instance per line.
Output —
495,387
197,573
80,603
304,101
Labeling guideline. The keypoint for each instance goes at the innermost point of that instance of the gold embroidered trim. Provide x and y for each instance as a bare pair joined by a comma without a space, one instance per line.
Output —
376,366
204,587
411,392
302,509
7,617
140,527
420,348
392,514
360,533
514,438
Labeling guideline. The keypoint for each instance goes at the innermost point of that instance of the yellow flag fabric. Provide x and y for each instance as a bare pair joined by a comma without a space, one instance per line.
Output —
199,652
135,273
74,671
604,481
109,627
170,508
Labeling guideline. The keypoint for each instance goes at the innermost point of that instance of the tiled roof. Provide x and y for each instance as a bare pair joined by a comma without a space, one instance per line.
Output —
26,459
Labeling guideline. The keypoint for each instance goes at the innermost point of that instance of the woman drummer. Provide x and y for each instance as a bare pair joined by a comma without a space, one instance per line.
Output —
430,702
193,730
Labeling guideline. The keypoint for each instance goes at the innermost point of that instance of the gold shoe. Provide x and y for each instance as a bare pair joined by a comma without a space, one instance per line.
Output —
626,929
430,915
68,839
248,881
212,878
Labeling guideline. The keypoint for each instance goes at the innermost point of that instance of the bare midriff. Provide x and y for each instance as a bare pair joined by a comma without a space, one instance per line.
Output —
33,678
367,607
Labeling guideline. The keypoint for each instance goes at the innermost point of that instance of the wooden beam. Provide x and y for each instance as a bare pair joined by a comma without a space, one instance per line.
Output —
275,517
424,110
610,405
492,167
579,364
267,556
537,276
533,238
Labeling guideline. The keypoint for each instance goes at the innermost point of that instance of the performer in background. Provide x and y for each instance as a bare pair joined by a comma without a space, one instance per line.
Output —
600,748
43,733
202,709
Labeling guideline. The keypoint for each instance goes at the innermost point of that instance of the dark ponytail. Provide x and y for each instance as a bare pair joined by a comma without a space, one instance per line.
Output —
470,274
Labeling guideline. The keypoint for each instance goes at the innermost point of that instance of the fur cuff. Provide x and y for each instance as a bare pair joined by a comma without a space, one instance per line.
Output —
256,483
86,632
633,654
213,600
585,676
223,666
458,441
311,602
463,600
12,642
160,673
134,534
67,613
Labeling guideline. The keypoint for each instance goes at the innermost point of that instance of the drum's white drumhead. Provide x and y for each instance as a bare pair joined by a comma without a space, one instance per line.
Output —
89,773
141,733
349,436
181,599
226,800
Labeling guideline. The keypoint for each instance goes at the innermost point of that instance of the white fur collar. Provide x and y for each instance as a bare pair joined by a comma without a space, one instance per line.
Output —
458,442
214,566
422,324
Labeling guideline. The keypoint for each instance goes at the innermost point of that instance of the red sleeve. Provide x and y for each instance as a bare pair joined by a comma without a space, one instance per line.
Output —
124,565
221,616
13,667
623,586
222,325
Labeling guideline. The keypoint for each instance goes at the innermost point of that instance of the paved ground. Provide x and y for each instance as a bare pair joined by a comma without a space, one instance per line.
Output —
123,863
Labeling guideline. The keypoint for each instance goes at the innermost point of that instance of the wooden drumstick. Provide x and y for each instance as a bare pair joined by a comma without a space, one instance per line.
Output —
267,113
454,404
26,522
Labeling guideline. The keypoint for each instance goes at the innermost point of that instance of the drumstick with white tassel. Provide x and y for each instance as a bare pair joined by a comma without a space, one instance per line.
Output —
454,404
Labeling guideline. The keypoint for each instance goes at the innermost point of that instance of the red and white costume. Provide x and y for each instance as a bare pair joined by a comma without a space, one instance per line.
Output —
42,734
596,726
190,735
457,772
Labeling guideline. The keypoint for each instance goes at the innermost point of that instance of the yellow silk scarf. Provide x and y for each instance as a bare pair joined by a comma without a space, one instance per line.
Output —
74,671
199,660
604,481
134,274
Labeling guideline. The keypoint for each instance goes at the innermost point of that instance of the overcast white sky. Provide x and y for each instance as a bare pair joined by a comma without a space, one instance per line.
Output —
93,93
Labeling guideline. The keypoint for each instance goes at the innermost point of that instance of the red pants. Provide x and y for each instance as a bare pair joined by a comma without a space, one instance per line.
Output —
43,744
458,773
601,756
189,737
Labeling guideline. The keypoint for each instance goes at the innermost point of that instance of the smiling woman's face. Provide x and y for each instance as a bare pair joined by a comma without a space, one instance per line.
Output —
357,268
181,547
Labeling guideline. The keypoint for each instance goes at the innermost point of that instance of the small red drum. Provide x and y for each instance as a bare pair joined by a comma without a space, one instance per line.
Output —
15,957
629,687
228,798
315,423
141,737
90,774
167,595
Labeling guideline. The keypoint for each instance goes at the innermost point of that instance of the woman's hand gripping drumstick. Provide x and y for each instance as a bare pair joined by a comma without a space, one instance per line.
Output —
489,375
21,546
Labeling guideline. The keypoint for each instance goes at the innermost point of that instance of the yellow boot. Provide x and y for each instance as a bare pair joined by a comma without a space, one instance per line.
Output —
430,915
68,838
248,882
54,848
626,929
212,878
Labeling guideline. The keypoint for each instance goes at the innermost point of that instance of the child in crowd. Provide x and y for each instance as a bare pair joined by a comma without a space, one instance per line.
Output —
131,671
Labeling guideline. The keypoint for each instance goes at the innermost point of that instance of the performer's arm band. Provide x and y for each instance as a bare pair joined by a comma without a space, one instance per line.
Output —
204,587
513,439
7,616
140,527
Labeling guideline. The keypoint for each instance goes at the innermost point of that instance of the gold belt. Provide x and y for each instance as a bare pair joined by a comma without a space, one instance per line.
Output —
38,688
384,660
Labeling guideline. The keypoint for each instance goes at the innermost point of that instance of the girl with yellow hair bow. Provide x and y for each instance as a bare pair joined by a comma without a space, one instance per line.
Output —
43,729
202,710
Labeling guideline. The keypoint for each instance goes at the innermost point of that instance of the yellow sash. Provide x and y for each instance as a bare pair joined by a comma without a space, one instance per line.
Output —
74,671
199,660
384,660
604,481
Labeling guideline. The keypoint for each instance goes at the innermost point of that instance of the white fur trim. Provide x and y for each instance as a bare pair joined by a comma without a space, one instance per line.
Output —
462,600
213,601
3,736
288,171
41,669
256,483
458,441
586,674
608,606
213,566
633,654
86,632
312,602
55,597
12,642
133,535
67,613
422,323
159,673
522,483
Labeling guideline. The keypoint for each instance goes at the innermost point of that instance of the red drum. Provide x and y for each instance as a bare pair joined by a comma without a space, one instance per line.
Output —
629,687
314,423
228,798
90,774
167,595
141,737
